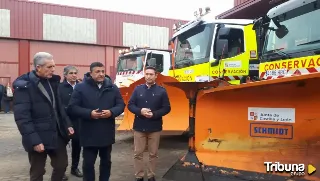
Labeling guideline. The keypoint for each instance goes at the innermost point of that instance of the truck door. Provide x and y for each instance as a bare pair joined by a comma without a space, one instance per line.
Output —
159,61
166,62
231,62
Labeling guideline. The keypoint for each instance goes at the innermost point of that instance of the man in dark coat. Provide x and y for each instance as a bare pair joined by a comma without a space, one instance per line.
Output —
7,98
41,120
149,102
97,102
1,93
66,89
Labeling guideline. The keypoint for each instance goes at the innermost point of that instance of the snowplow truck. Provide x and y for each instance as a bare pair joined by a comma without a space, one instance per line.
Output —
131,63
207,49
268,129
130,73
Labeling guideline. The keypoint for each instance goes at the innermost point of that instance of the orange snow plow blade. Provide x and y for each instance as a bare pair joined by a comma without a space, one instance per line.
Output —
174,123
239,128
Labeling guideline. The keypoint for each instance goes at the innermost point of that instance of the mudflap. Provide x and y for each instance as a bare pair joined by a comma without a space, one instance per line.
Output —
190,169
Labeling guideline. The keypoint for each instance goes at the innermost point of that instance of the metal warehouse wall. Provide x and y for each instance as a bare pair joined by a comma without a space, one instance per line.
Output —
9,59
17,57
39,21
71,54
78,55
75,36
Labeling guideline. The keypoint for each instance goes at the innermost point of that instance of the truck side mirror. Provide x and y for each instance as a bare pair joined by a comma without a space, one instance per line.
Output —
224,33
257,23
282,31
152,62
159,68
221,48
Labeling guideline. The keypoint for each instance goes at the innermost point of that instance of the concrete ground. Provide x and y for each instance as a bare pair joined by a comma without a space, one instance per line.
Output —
14,164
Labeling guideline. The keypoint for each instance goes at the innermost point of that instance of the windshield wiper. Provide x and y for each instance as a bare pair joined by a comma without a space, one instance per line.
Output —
310,42
279,52
185,62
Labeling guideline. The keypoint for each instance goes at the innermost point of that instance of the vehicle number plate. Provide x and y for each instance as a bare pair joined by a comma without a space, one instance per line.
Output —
277,72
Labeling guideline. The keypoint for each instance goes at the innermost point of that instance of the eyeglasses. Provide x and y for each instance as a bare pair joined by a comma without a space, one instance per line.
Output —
73,73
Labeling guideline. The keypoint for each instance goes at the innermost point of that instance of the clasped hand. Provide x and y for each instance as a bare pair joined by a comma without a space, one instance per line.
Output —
146,112
95,114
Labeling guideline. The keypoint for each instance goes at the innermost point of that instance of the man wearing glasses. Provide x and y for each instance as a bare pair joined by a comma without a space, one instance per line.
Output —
66,89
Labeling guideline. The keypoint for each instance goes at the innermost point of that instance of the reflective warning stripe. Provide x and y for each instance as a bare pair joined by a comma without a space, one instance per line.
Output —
292,72
303,71
229,78
129,72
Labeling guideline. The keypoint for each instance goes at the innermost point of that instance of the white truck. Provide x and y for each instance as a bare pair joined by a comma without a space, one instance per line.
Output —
132,62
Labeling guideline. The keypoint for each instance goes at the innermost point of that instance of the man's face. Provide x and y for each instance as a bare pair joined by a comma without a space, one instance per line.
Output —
150,76
72,75
98,74
47,69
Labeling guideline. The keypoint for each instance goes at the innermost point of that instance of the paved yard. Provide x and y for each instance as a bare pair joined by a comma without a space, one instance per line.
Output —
14,164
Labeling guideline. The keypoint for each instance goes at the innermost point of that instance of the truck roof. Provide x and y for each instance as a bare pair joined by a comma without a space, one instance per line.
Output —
143,50
207,19
287,6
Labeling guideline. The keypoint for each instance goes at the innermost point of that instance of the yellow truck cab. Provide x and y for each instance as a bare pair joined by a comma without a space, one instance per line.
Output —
292,42
209,48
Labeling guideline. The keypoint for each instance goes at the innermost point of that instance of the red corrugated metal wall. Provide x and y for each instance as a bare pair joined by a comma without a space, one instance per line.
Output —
9,58
27,20
17,57
26,25
74,54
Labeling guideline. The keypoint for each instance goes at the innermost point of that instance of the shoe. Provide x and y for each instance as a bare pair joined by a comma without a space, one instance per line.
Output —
151,179
76,172
139,179
64,178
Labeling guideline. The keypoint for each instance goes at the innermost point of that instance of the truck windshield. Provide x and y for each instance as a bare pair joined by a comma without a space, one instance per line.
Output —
132,62
303,31
193,46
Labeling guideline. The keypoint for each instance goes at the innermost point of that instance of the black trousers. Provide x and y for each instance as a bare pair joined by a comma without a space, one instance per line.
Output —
1,100
75,153
59,162
89,159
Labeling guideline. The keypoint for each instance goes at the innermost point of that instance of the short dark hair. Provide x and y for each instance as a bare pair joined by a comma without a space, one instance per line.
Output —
151,68
95,64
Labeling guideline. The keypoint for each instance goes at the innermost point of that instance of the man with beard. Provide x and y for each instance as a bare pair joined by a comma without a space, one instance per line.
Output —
97,102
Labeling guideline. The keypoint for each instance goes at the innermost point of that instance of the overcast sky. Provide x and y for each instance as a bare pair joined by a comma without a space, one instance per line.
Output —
176,9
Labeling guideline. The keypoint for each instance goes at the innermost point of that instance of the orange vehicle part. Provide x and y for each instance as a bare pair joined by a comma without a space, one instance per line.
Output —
174,123
225,144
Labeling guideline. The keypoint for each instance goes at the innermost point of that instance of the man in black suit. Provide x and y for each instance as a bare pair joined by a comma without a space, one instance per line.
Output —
66,89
